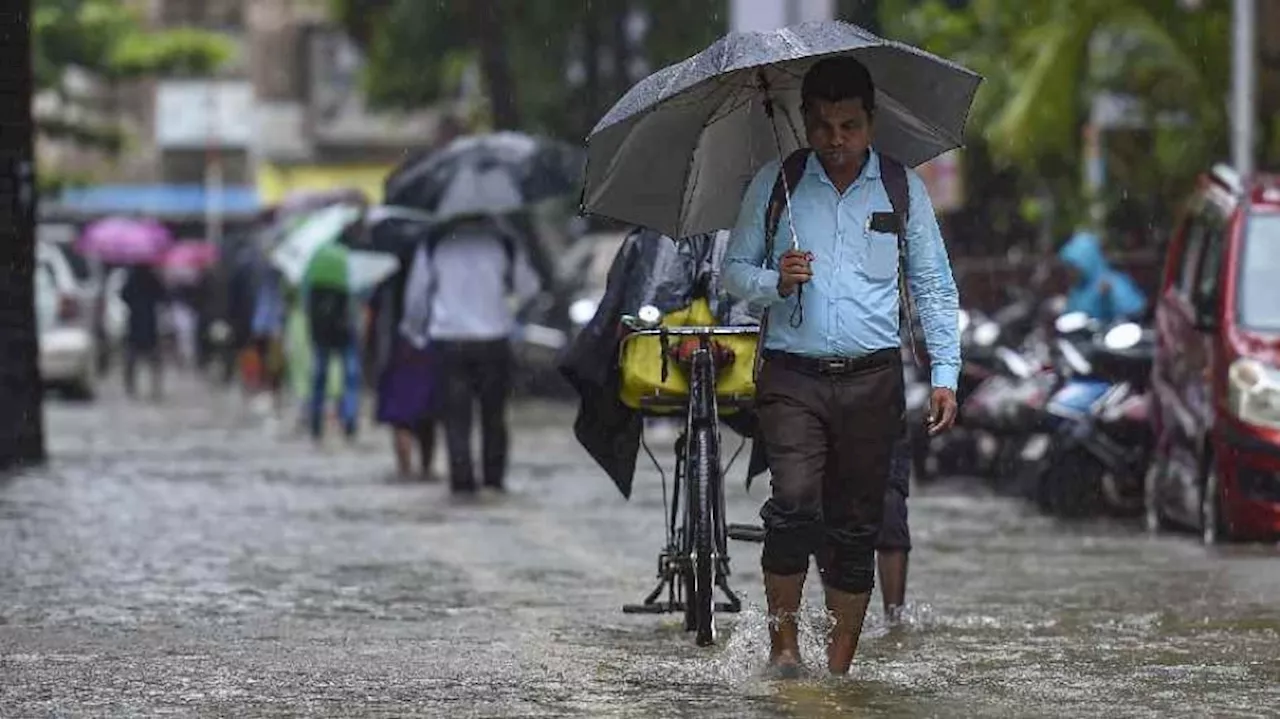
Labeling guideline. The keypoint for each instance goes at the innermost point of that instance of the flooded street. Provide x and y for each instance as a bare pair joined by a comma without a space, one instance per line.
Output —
195,559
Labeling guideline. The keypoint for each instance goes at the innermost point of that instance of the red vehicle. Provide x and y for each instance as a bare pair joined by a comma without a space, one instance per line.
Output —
1216,376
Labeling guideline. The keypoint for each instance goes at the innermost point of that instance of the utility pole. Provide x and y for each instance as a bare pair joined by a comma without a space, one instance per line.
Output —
21,414
213,169
1244,84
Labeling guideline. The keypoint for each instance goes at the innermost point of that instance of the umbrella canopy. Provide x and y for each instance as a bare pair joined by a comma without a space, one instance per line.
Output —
356,271
125,241
187,260
486,175
678,150
328,267
397,230
311,253
323,227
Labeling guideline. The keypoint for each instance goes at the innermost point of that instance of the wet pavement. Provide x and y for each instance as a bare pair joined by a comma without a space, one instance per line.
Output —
196,559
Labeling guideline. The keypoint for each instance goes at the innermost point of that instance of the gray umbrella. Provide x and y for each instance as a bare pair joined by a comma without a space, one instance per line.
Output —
677,151
488,174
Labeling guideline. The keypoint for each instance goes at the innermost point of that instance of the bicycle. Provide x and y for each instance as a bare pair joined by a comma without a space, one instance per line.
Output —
695,560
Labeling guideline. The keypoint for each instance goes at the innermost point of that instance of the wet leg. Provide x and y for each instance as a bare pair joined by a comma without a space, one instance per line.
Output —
494,380
892,564
402,444
426,436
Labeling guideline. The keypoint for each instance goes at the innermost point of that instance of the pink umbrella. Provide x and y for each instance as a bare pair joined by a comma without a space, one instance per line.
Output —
187,260
125,240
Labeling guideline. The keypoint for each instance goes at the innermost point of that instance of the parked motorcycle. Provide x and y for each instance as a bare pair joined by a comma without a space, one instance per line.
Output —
1097,422
995,381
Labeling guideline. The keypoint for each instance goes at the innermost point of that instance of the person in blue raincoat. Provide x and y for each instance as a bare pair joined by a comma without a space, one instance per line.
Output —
1098,290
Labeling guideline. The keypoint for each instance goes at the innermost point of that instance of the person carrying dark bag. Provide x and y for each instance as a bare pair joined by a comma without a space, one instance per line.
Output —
830,389
331,316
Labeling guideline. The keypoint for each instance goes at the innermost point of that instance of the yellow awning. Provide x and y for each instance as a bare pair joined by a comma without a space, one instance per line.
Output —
275,182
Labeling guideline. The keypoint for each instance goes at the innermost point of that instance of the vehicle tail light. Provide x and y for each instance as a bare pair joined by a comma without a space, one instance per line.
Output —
68,308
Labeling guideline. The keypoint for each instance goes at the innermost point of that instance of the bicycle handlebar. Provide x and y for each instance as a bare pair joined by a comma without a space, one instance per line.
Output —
695,331
643,328
708,331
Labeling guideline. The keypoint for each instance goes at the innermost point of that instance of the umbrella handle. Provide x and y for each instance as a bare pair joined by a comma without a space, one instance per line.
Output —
797,313
777,142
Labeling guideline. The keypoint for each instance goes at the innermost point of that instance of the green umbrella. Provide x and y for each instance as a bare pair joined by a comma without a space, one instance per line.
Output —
342,268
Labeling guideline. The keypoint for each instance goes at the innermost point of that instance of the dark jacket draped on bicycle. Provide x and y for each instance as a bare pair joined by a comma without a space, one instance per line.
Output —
649,269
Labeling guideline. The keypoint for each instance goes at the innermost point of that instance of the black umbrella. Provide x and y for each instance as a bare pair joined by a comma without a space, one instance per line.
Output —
677,151
489,174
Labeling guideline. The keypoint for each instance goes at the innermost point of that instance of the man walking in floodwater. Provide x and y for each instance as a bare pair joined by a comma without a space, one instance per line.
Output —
830,393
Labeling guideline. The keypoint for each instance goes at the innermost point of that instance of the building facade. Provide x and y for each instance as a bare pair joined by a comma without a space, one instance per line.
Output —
285,115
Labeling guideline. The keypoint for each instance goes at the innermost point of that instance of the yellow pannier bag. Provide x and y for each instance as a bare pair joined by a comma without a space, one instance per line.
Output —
641,365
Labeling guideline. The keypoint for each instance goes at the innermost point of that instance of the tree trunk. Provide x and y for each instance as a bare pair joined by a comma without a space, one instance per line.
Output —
487,21
592,43
21,418
621,10
1269,82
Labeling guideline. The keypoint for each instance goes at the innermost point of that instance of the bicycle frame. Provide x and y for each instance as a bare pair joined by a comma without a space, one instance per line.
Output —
698,495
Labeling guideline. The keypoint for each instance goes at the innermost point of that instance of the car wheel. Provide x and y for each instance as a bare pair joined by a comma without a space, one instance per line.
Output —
1213,526
1152,518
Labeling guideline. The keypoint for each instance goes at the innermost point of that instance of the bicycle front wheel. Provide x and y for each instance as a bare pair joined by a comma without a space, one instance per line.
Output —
703,470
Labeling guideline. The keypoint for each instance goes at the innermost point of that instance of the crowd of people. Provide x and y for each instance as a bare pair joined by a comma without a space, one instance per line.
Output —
431,341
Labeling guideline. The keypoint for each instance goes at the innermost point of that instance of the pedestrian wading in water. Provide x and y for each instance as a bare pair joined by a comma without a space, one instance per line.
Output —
830,391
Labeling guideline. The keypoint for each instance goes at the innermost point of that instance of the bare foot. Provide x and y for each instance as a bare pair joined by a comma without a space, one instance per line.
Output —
784,666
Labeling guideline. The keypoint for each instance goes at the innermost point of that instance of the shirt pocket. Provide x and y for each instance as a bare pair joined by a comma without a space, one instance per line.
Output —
880,262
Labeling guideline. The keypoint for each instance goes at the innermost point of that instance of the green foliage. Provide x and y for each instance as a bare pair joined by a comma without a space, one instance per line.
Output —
182,51
52,183
107,40
419,51
1043,61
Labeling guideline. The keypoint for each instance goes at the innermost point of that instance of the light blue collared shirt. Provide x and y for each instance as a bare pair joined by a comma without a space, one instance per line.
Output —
851,304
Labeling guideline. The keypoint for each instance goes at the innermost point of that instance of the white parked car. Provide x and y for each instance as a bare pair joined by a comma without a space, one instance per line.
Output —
64,324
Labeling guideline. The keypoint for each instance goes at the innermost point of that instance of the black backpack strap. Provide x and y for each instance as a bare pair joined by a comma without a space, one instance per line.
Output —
894,176
789,174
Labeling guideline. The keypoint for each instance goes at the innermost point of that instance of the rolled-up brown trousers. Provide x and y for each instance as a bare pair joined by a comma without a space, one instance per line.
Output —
829,428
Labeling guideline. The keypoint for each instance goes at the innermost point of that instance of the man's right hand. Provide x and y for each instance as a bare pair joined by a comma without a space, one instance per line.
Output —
793,270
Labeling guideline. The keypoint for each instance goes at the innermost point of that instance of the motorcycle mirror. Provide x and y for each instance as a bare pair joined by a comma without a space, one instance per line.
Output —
1071,322
986,334
1075,360
1123,336
1016,363
581,311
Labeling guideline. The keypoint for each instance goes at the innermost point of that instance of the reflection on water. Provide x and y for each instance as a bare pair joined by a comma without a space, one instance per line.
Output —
186,559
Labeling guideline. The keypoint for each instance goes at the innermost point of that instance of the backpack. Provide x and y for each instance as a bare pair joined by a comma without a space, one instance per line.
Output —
329,314
417,306
508,249
894,176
